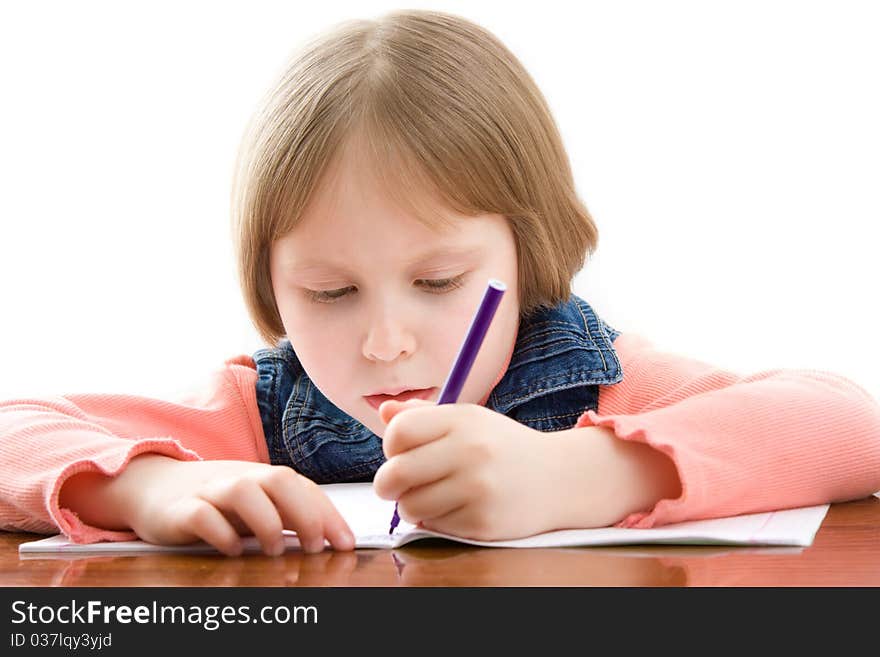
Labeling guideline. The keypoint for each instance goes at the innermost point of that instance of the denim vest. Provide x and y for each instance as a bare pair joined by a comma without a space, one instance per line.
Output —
560,358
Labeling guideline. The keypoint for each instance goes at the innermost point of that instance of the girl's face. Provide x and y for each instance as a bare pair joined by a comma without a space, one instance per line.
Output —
375,302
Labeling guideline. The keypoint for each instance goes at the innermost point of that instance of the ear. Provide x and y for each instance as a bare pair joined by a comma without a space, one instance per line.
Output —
388,409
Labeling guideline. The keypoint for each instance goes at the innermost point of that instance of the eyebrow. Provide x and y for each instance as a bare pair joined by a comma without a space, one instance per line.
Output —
298,266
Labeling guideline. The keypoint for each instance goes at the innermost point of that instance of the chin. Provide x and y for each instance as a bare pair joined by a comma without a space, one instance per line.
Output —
372,422
375,425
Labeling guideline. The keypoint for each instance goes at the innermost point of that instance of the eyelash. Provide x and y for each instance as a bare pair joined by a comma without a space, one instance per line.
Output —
447,285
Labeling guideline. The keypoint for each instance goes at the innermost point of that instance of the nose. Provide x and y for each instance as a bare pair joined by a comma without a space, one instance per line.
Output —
388,339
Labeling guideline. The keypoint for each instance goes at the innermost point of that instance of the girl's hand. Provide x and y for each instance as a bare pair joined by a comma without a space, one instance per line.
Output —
465,470
168,501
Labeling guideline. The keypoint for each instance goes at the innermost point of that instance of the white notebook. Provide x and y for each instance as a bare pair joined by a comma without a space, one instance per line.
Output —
369,518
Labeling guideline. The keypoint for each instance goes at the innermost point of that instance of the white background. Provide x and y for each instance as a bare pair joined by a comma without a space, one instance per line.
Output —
729,152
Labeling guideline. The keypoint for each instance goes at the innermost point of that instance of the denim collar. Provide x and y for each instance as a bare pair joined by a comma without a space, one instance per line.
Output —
557,349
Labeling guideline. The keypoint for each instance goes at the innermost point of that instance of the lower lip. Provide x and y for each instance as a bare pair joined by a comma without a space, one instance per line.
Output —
376,400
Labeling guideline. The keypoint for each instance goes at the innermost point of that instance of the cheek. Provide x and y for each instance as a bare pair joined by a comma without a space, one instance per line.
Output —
327,366
319,343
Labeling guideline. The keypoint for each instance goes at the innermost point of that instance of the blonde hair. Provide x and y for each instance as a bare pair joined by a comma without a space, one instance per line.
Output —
440,109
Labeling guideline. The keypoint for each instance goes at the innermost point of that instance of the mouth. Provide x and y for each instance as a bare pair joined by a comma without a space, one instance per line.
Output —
376,400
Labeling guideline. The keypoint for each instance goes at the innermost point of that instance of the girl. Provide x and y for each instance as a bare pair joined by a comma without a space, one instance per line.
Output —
395,167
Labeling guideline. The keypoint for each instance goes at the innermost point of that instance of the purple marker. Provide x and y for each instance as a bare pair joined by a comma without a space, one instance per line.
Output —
467,354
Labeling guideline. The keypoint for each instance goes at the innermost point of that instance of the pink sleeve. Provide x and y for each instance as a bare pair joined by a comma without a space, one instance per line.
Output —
742,444
45,441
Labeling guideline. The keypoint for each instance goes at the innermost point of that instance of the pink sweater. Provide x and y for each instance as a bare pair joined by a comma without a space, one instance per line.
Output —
741,444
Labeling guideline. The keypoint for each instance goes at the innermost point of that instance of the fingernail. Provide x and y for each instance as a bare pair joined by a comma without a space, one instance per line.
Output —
346,541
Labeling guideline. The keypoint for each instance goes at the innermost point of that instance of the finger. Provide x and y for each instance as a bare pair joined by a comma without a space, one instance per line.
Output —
307,510
419,424
435,500
250,502
389,408
416,467
336,529
204,521
461,521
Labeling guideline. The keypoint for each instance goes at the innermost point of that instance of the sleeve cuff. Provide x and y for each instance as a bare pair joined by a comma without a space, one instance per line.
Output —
111,465
625,427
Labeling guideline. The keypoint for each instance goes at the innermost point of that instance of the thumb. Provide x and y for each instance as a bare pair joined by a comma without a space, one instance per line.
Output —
388,409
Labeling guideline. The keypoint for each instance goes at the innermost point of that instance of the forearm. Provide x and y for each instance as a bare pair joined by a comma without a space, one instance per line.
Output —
604,479
769,440
46,442
106,502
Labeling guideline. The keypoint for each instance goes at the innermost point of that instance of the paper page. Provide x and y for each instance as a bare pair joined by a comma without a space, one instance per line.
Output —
795,527
369,518
368,515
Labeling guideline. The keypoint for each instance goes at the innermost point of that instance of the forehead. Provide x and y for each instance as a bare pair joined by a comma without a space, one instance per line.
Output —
347,237
359,218
358,183
352,202
316,264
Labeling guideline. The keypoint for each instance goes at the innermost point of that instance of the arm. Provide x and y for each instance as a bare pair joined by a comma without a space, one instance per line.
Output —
465,470
103,501
89,438
167,501
606,479
741,444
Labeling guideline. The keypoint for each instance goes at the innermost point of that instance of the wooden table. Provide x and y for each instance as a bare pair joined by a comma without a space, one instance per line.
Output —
845,552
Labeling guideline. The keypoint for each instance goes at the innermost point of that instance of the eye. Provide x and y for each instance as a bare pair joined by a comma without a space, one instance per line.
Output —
435,286
443,284
327,296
